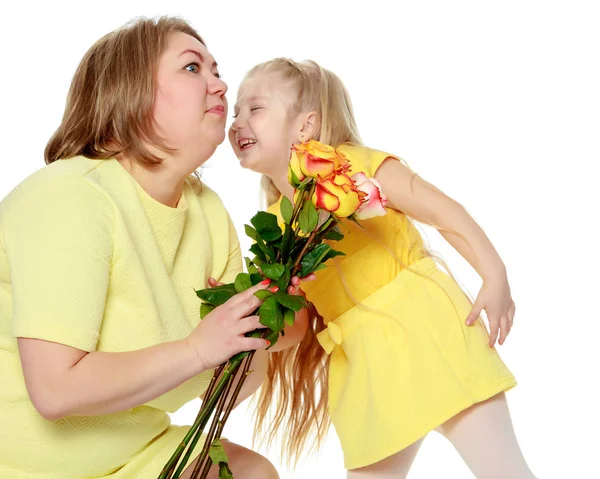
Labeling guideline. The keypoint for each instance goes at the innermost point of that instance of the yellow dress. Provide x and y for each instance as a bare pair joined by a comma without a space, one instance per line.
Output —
90,260
402,359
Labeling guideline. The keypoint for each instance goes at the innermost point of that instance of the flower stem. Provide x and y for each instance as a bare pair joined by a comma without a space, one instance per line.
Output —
213,435
201,419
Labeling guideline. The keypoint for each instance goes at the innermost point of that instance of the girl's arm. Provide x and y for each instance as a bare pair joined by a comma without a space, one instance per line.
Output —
422,201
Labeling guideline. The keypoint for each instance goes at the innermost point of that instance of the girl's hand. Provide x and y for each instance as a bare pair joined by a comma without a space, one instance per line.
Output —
296,280
220,335
495,298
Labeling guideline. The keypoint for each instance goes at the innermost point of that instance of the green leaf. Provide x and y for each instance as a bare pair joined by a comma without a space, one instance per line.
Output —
308,217
334,234
263,294
257,261
271,315
312,259
295,180
284,280
250,266
291,301
260,254
298,246
287,243
273,271
332,254
305,182
267,250
266,226
289,316
319,267
217,452
286,209
206,308
225,472
217,295
256,278
250,232
242,282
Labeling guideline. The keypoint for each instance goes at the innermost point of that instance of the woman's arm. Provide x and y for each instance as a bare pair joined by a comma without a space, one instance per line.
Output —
65,381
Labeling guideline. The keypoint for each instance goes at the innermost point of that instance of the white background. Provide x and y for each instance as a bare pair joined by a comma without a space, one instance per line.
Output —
497,103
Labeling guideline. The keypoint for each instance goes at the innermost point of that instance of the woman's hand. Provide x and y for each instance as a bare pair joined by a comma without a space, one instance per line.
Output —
495,298
294,333
220,335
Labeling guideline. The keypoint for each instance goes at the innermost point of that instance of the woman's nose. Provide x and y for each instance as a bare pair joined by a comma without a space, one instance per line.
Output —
217,86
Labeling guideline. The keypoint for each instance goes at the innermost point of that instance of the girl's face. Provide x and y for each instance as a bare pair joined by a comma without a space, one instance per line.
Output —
264,128
190,106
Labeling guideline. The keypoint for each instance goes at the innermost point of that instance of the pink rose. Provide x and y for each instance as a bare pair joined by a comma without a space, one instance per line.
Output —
374,202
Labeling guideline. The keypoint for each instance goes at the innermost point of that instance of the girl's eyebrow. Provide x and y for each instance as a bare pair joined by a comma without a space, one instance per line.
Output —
198,54
248,99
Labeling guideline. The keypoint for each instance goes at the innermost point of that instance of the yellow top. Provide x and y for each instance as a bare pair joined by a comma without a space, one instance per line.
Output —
90,260
368,263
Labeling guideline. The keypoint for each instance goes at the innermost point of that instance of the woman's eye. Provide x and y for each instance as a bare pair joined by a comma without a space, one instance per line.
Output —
254,108
217,75
193,67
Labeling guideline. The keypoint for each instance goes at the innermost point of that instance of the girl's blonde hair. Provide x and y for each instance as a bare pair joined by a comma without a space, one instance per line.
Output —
109,105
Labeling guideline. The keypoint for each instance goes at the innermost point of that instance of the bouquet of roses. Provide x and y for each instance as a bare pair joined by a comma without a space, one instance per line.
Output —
324,195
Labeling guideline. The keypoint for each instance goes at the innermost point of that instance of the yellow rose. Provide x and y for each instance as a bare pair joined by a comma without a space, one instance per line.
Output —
316,160
294,168
338,195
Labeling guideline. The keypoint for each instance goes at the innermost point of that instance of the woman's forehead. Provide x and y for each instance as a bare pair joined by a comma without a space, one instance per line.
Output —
180,43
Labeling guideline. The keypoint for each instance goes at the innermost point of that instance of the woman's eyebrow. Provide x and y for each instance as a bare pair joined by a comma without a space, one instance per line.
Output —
198,54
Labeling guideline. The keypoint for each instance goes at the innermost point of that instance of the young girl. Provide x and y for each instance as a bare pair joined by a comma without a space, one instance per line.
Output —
403,350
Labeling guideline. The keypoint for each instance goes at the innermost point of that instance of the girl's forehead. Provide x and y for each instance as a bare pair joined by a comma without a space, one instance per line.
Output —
265,86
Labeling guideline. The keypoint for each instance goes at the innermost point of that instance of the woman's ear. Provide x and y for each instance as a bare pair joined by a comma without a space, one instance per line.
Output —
308,126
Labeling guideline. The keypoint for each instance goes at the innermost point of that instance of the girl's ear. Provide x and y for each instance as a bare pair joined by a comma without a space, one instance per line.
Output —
308,127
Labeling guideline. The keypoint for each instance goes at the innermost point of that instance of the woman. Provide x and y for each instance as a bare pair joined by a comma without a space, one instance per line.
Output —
100,252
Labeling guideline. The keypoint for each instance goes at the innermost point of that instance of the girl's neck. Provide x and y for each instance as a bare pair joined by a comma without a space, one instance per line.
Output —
280,179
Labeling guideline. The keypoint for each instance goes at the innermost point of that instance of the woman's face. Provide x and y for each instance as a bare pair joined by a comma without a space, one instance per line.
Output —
189,106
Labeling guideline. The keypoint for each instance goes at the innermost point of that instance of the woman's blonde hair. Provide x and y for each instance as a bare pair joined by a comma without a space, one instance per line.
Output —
297,378
109,105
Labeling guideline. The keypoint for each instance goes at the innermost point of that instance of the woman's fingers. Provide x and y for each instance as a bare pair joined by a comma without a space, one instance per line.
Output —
250,323
244,303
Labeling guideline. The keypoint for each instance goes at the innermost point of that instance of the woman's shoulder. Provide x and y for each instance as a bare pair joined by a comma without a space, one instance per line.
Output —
74,181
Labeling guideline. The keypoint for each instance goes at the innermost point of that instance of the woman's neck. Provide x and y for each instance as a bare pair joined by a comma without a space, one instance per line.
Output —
161,182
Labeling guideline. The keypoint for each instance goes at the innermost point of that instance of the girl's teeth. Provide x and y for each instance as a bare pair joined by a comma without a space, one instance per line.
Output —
245,143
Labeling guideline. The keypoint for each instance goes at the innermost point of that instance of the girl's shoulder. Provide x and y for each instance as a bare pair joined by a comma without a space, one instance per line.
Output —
364,159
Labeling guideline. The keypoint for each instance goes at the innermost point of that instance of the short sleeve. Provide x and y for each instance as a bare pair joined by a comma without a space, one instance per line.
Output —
57,234
366,160
234,262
